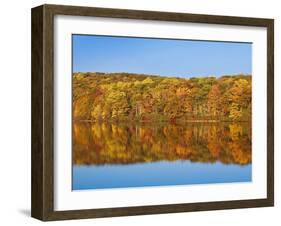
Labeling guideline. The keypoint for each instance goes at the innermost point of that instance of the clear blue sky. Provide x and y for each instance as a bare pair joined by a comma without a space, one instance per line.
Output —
182,58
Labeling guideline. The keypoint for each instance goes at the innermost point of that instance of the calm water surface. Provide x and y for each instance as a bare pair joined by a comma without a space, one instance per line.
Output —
107,155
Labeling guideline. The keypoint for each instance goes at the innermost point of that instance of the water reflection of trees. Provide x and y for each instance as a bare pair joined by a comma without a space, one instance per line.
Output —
102,143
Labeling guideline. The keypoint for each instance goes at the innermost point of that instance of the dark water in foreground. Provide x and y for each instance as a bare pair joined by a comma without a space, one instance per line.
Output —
107,155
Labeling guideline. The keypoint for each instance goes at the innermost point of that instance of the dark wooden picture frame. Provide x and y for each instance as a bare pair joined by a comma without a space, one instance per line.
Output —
42,203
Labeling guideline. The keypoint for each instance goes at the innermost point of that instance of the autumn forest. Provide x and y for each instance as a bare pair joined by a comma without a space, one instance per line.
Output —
135,120
119,97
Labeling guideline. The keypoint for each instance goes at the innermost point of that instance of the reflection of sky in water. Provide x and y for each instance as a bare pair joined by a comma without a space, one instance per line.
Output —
158,174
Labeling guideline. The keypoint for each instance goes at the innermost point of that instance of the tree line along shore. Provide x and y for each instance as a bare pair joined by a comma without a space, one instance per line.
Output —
148,98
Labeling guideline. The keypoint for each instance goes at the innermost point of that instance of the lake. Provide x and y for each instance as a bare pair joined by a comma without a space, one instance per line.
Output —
120,155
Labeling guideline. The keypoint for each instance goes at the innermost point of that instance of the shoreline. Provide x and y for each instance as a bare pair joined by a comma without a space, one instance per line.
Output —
150,121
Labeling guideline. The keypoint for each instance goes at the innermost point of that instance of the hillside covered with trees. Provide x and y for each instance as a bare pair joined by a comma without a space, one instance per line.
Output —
136,97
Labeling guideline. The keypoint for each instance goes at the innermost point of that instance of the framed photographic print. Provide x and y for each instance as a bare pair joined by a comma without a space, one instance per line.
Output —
141,112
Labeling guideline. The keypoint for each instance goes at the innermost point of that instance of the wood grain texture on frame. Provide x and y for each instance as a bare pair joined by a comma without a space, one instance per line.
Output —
42,203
